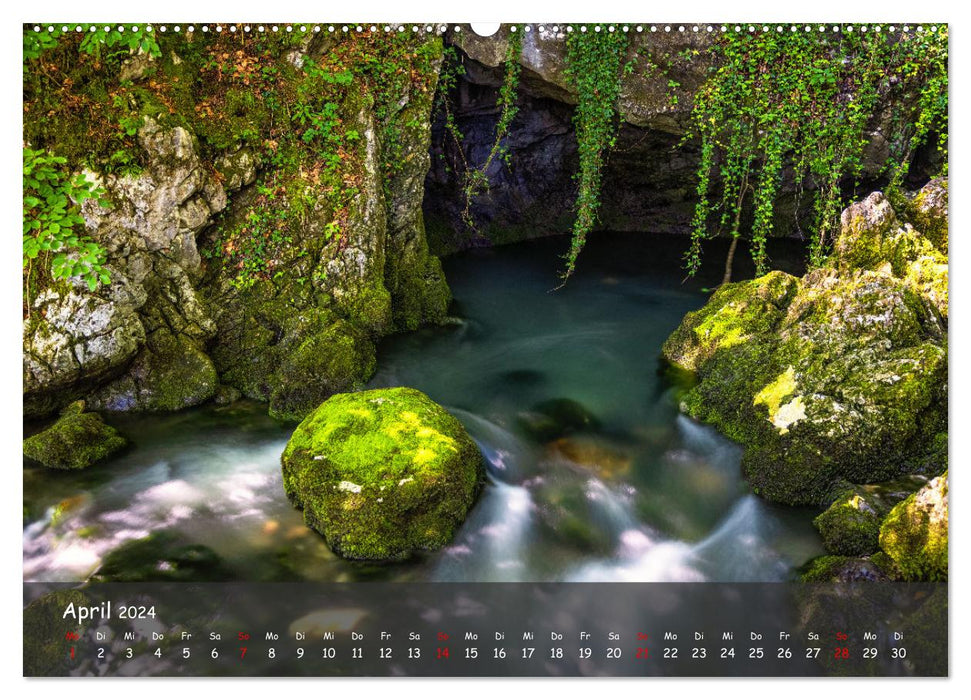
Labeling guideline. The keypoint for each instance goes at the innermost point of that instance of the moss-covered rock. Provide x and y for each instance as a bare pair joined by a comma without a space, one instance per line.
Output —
914,534
928,212
735,314
332,361
77,440
840,386
850,526
839,375
382,473
873,238
170,374
838,569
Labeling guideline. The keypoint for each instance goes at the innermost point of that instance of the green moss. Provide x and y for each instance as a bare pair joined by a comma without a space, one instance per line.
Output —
915,533
371,308
850,526
77,440
928,212
838,569
382,473
834,376
335,360
45,653
927,275
735,314
422,295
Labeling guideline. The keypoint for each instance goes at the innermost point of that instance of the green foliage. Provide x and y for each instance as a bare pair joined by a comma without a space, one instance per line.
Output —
126,39
96,39
807,99
594,62
53,225
35,43
476,179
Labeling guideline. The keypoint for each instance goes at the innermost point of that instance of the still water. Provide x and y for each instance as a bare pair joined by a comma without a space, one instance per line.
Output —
593,475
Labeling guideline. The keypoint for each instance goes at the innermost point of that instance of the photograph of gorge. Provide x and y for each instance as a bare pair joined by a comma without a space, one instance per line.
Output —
405,303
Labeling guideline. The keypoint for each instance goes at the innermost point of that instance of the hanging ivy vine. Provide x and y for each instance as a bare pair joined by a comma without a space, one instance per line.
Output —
594,59
475,180
780,97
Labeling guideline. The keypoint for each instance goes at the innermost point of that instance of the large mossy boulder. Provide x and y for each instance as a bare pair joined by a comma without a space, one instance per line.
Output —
77,440
914,534
838,375
383,473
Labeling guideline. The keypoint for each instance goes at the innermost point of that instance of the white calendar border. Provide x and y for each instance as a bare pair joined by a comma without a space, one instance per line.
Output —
479,11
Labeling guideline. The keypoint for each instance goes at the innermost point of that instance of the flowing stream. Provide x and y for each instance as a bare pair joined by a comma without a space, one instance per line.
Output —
593,475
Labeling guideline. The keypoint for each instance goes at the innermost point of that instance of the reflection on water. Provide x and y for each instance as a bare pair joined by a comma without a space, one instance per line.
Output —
592,473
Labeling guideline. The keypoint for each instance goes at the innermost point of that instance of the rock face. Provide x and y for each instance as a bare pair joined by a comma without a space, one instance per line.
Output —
914,535
382,473
162,556
150,317
646,179
296,339
649,179
77,440
171,327
841,374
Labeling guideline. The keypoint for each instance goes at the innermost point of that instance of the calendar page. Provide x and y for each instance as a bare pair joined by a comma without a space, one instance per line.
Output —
515,349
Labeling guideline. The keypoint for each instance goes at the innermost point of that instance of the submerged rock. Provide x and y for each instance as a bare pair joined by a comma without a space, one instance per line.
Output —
838,375
382,473
597,456
914,535
163,556
568,510
77,440
554,418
